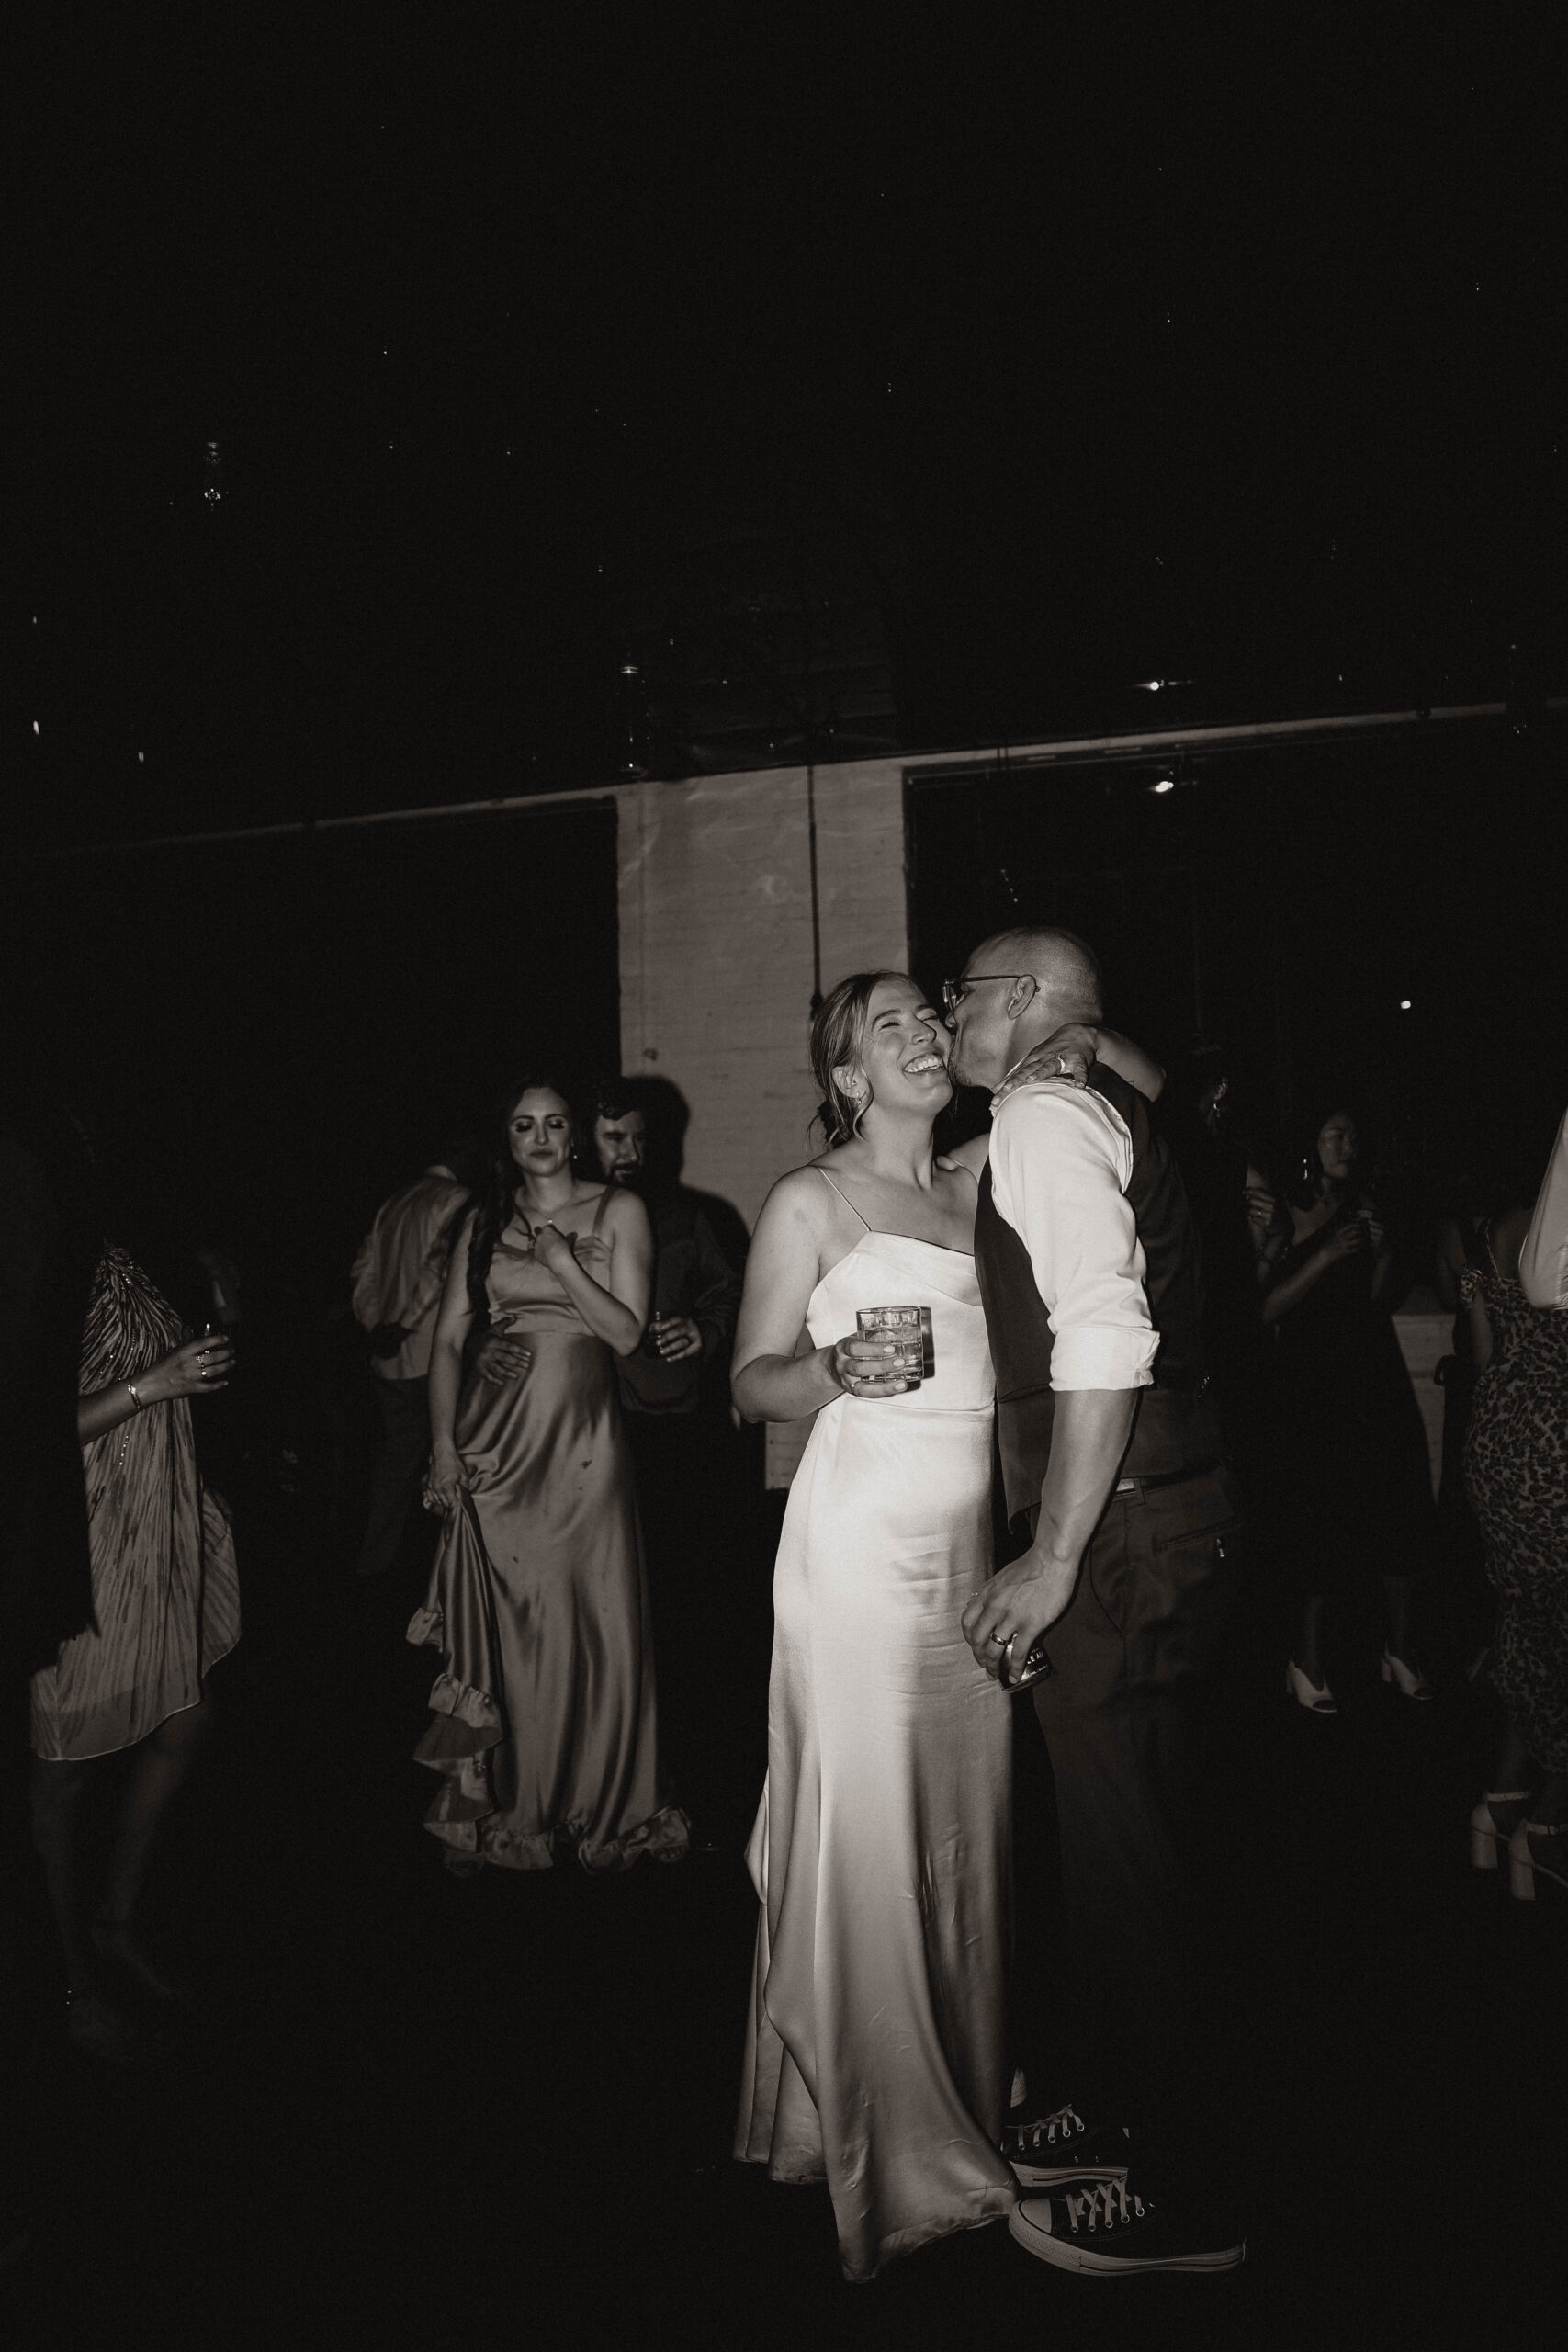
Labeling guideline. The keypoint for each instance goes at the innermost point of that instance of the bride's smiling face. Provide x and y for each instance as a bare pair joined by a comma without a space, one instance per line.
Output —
903,1052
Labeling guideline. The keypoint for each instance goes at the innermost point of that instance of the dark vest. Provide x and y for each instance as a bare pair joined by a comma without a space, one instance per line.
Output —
1176,1424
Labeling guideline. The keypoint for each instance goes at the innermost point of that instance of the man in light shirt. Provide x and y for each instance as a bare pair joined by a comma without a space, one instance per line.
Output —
397,1278
1088,1268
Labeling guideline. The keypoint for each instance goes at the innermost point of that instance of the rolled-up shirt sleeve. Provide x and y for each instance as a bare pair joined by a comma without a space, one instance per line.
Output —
1543,1259
1061,1159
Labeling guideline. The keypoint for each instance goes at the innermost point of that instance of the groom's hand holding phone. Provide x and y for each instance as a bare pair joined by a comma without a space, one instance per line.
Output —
1089,1430
1021,1603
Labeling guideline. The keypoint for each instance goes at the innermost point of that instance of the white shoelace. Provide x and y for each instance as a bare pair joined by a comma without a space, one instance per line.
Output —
1106,2202
1066,2121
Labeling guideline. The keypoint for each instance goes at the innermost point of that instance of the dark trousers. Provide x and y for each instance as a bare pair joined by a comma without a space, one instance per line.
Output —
405,1407
1130,1727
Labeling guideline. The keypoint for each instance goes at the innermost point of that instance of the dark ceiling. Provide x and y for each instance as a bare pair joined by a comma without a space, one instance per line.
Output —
982,377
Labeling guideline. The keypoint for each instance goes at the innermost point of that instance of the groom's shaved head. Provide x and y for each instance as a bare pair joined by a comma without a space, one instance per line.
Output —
1065,965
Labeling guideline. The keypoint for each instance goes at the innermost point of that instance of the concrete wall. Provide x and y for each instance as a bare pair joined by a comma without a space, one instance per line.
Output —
716,948
717,966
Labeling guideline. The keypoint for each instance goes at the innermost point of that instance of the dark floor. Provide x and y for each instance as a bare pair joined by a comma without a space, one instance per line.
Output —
409,2110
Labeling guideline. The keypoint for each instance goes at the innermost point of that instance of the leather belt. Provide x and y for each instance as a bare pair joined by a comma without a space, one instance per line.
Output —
1171,1477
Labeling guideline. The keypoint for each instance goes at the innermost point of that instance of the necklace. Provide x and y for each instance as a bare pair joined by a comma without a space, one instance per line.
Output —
530,1229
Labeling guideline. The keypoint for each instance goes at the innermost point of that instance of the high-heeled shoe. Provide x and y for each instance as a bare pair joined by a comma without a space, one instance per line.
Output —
1409,1679
1489,1835
1537,1849
1315,1697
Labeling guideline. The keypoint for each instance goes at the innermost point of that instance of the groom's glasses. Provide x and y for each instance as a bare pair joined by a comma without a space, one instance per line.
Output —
954,991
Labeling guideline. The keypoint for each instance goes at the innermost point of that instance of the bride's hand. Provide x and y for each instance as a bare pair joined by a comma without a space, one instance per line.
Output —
1068,1052
862,1368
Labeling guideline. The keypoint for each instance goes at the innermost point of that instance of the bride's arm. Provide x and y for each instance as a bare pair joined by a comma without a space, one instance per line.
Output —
1068,1052
1131,1062
772,1379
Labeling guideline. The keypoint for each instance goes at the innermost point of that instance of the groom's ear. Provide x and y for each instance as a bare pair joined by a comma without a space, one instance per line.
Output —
1022,995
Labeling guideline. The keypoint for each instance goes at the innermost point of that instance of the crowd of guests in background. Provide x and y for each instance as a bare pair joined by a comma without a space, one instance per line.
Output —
547,1314
1325,1426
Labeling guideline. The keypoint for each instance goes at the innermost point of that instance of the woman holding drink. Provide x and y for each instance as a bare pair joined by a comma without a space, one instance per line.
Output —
876,2053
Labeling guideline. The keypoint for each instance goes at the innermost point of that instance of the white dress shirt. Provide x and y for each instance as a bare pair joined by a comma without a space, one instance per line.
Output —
401,1270
1543,1259
1061,1163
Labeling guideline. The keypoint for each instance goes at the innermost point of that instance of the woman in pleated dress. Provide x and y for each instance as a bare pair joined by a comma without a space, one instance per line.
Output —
166,1610
543,1718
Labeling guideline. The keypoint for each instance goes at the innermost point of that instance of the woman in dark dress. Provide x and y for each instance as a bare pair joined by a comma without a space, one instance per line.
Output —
1227,1167
1516,1472
544,1729
1357,1504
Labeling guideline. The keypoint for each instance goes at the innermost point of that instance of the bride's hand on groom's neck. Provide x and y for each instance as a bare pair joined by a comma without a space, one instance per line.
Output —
1067,1053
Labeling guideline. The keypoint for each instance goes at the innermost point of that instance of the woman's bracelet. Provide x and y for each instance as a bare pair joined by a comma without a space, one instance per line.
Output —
136,1401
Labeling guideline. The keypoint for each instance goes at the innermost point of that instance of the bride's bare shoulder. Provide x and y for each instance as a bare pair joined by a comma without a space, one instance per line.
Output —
796,1214
798,1197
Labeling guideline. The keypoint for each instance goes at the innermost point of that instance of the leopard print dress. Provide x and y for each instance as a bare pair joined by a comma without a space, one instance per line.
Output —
1516,1474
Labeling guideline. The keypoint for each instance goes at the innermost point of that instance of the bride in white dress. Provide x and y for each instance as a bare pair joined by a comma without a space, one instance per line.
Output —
877,2049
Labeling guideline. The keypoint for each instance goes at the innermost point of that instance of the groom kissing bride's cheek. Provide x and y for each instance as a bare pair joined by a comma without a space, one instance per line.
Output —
1054,1270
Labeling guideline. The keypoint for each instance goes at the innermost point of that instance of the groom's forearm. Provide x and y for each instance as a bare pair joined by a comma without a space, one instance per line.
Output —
1089,1429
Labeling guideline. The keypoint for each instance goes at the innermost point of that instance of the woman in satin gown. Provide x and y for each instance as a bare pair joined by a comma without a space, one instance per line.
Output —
876,2049
544,1721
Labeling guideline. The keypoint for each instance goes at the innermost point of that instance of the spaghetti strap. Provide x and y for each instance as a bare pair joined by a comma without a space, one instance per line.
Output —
843,1196
598,1211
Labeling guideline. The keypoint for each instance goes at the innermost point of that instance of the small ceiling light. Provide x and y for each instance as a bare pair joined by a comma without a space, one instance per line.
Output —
1163,783
1405,1004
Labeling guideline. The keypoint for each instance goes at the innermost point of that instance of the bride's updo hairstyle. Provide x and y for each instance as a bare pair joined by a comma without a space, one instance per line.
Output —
837,1035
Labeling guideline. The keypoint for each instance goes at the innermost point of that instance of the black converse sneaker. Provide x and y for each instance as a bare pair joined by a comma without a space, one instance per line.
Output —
1108,2230
1061,2147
